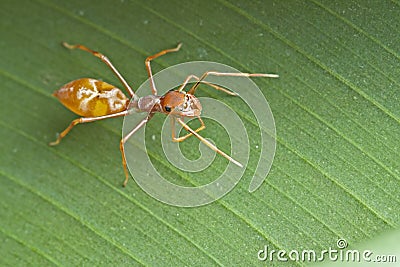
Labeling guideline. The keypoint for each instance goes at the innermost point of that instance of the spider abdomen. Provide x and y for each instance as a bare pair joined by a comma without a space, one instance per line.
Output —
91,98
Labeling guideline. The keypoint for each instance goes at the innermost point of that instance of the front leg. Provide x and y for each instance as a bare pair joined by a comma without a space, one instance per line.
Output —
207,143
182,138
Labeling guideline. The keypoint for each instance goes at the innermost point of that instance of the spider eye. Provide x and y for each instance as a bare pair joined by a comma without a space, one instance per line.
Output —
167,108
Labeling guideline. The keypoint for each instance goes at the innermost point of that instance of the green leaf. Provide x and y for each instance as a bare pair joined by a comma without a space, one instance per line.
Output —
336,172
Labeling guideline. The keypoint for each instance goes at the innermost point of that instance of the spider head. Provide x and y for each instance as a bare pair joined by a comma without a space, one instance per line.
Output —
180,104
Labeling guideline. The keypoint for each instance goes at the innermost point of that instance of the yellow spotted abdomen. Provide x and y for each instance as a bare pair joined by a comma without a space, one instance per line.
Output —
92,98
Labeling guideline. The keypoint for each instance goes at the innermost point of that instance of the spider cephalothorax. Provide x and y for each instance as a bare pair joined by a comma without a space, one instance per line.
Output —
180,104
